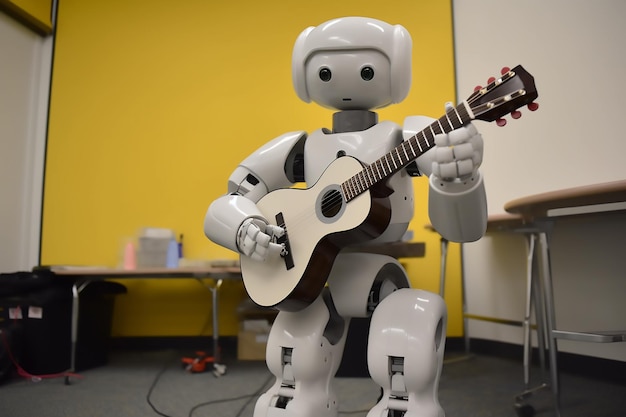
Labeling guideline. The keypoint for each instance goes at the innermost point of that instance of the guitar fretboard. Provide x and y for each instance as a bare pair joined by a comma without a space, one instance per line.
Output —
405,153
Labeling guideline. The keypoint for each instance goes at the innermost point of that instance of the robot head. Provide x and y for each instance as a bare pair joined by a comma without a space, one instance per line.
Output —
352,63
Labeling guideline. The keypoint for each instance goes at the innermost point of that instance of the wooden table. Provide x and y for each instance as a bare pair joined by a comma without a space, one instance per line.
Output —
82,276
538,213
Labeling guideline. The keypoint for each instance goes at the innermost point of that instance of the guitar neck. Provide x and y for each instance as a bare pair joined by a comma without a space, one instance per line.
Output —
515,88
405,153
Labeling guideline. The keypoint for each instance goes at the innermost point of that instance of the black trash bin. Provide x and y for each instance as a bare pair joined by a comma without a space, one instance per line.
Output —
45,317
94,324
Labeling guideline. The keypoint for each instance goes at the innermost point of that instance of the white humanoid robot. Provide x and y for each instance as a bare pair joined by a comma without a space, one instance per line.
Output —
298,245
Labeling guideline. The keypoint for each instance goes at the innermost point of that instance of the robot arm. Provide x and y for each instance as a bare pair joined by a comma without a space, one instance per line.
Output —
233,220
457,203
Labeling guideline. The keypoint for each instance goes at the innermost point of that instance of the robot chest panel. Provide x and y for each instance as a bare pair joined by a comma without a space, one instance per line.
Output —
366,146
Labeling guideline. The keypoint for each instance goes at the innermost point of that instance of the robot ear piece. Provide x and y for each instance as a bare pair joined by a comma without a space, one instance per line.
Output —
298,59
401,64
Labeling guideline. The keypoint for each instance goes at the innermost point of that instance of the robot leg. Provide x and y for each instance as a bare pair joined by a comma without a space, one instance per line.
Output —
304,351
405,353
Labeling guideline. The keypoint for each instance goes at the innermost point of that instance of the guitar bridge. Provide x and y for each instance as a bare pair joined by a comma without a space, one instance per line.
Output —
284,240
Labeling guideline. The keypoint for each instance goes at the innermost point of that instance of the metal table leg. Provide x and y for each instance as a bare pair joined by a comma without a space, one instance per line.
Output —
77,288
546,274
219,369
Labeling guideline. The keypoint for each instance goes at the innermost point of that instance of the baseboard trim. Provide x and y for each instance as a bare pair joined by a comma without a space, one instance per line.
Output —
587,366
228,344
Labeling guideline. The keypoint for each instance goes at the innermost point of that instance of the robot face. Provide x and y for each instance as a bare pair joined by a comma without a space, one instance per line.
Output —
349,80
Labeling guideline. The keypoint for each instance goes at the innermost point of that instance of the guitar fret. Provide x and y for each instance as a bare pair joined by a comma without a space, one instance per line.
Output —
458,116
405,153
432,131
440,127
448,120
387,161
370,175
357,184
349,192
463,114
399,157
410,141
361,181
344,189
419,145
380,167
352,189
368,180
425,139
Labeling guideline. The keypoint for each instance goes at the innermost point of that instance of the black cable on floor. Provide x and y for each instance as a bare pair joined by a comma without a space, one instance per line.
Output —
224,400
256,394
154,382
204,404
250,397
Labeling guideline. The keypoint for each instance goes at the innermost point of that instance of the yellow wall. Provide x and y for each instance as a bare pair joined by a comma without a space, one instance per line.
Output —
155,102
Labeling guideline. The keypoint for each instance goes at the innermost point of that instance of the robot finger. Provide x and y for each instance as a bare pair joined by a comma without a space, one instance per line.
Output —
442,140
463,151
259,254
275,250
274,231
447,170
248,246
465,168
477,158
462,135
263,239
444,154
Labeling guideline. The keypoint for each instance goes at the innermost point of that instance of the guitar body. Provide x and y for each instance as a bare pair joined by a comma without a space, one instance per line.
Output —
318,223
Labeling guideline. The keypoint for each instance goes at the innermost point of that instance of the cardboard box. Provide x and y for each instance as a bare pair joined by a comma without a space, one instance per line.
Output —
251,345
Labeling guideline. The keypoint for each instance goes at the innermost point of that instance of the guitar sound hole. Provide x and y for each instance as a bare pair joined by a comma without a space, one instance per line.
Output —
331,203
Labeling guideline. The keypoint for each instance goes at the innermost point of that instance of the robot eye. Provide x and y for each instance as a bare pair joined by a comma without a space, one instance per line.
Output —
325,74
367,73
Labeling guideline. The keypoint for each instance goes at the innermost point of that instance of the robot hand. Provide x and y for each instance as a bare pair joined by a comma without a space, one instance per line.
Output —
458,154
256,239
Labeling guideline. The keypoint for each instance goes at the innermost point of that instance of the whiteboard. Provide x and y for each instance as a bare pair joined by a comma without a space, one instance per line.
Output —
574,49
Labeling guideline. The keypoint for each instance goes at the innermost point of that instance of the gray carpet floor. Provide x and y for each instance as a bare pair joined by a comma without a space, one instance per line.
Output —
153,383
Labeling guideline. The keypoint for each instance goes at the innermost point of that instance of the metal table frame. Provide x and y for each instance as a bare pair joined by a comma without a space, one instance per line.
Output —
83,276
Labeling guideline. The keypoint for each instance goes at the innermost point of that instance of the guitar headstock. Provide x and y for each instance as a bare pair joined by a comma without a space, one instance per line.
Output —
504,95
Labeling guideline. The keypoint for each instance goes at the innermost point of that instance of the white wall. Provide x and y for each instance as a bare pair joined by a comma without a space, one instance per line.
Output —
24,80
574,48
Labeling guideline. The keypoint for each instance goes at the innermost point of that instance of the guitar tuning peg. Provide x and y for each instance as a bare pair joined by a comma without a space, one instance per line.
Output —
504,70
477,88
516,114
501,122
491,79
533,106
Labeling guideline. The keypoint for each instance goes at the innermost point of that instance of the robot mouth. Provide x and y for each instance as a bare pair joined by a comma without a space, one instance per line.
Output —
346,99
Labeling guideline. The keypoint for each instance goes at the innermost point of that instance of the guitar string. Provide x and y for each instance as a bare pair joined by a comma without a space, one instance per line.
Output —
336,199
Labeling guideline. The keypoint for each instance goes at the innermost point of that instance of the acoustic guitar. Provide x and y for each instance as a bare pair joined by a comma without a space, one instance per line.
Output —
349,204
